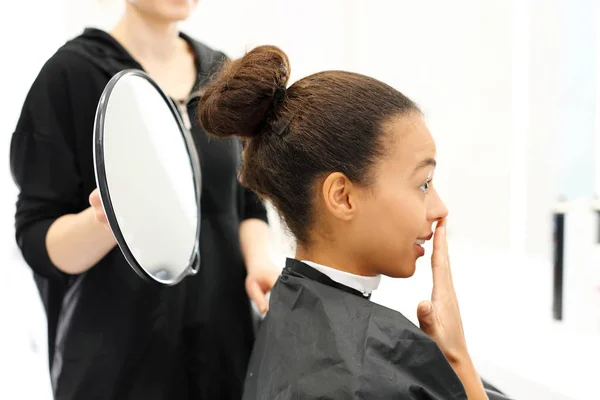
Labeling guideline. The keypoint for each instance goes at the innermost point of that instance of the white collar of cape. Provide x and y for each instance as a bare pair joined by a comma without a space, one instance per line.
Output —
364,284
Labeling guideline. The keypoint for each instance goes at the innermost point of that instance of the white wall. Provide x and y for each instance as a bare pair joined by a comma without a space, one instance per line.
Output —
453,58
488,76
23,360
597,14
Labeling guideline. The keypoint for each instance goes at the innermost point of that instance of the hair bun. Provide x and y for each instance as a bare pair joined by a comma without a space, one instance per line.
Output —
240,98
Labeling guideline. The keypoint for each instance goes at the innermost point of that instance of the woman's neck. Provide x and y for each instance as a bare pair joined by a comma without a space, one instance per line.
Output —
331,256
146,39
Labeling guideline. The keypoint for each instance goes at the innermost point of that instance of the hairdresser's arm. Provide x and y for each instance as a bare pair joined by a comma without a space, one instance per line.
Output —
77,242
262,273
55,240
254,241
55,236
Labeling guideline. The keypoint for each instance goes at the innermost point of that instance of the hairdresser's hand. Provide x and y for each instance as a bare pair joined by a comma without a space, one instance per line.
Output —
261,278
440,317
98,209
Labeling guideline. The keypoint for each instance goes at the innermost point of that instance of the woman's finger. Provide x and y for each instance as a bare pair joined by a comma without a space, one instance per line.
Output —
448,263
427,318
439,259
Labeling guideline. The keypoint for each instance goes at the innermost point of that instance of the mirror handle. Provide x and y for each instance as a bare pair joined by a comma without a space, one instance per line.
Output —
195,266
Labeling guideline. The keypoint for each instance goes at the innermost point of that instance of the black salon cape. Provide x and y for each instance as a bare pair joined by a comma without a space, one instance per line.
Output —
323,340
129,339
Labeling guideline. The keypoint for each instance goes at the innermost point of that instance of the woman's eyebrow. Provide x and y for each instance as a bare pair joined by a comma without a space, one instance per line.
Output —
428,162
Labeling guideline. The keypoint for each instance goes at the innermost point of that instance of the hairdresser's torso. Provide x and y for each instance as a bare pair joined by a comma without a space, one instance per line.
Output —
126,338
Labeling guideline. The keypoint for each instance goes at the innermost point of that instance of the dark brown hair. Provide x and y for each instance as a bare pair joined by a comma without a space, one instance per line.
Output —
327,122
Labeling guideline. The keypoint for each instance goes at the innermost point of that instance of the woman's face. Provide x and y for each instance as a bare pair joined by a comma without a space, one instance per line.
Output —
164,10
395,215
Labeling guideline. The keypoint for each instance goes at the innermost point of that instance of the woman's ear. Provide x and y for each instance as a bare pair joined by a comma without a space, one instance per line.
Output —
339,196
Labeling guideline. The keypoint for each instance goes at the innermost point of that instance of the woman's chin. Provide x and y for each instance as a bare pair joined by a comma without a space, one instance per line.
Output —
403,270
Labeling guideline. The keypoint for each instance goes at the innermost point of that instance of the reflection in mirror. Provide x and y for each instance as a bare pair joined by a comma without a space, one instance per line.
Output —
148,177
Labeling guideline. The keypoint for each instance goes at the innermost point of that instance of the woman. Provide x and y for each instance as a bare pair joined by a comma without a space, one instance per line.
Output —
348,162
110,334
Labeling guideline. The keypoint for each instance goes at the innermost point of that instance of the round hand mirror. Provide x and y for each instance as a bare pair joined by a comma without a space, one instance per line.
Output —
148,177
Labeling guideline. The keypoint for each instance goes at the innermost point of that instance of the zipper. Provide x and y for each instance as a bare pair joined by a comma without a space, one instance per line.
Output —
185,116
183,108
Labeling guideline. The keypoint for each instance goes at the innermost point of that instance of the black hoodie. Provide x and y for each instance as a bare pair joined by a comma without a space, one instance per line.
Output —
110,334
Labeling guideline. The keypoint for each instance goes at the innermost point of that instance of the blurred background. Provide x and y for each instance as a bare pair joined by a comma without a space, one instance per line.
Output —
511,93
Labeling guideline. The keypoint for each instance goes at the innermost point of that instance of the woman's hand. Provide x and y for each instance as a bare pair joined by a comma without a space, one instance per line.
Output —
440,318
96,204
259,281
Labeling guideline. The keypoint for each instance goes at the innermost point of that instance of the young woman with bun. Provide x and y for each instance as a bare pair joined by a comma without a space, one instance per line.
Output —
349,163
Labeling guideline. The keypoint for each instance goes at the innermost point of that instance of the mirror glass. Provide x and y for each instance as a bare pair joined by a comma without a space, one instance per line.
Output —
148,176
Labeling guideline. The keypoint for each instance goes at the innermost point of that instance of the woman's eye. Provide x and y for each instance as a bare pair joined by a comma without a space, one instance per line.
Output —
425,186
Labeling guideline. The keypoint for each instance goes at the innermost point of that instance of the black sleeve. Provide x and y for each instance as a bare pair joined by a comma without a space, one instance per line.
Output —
43,163
253,206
